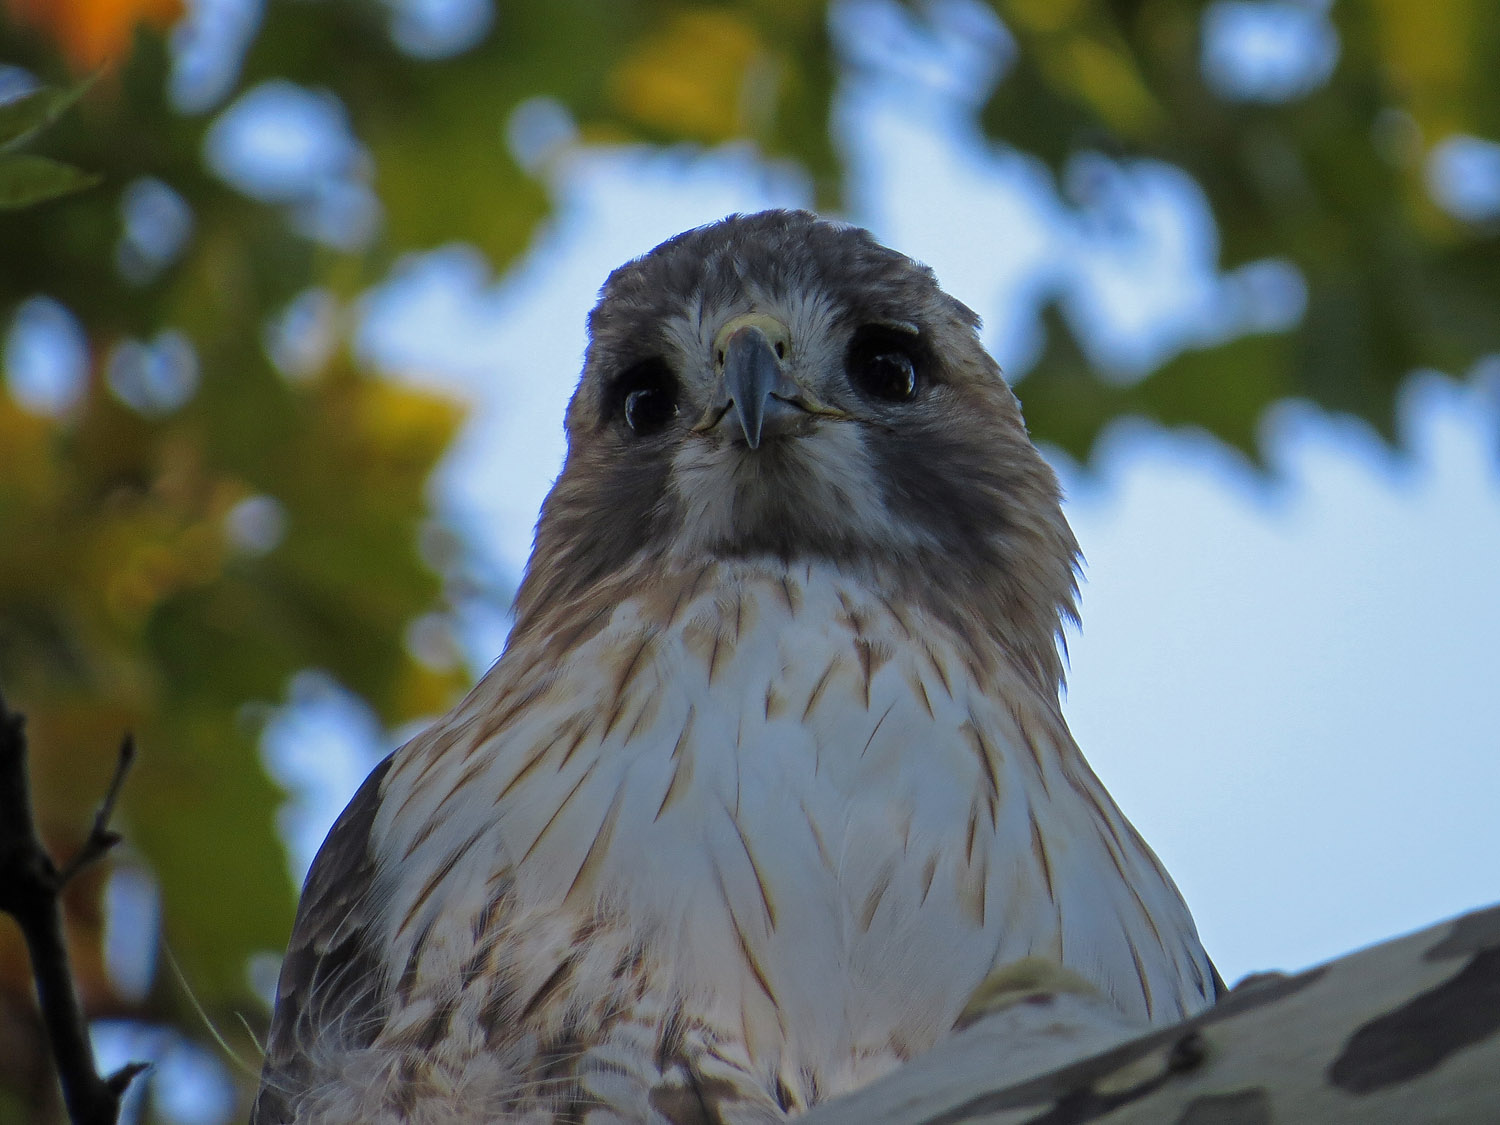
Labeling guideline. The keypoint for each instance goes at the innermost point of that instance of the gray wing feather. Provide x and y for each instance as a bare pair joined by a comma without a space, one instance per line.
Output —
330,981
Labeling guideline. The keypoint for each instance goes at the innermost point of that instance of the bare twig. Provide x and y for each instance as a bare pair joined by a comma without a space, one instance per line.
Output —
31,886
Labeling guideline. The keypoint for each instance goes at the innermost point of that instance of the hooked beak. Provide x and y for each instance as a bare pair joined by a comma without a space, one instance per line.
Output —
754,384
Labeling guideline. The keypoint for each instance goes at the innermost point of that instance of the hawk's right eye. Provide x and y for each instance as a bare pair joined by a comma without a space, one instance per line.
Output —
885,363
645,397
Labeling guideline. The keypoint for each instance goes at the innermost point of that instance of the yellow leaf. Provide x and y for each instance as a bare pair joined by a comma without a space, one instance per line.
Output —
1430,49
1108,80
706,75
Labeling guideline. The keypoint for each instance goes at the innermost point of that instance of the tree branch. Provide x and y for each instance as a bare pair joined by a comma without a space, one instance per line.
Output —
1402,1032
31,887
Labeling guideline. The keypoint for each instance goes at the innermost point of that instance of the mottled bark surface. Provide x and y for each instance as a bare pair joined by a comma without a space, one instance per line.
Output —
1406,1031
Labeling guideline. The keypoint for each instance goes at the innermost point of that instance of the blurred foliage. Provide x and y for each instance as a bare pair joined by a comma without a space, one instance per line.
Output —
1333,181
197,524
26,178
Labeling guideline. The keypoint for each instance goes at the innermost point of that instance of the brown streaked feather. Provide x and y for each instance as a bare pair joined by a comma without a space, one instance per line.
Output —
819,686
533,760
872,655
635,660
557,812
875,895
920,689
682,767
775,703
929,872
878,723
597,850
767,905
792,595
973,890
1039,850
1140,972
442,872
817,837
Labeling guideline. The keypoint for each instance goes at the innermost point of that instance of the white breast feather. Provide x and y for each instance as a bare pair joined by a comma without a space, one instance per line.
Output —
823,846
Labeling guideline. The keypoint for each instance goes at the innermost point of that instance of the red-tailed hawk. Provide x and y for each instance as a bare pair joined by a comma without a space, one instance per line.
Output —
772,773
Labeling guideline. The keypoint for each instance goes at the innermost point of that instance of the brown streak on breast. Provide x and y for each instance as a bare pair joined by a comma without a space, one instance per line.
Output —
974,891
1031,744
422,836
791,594
471,771
812,826
703,636
986,762
537,755
775,703
548,987
557,812
872,656
929,872
914,681
617,709
1117,858
484,918
436,878
817,691
644,716
1140,972
408,979
684,587
937,666
585,723
713,659
853,617
478,964
491,724
595,855
432,756
585,621
682,767
1039,850
670,1037
877,892
876,729
760,880
634,662
745,951
897,615
732,612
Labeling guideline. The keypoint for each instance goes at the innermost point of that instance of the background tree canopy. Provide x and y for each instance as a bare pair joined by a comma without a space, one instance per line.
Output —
204,514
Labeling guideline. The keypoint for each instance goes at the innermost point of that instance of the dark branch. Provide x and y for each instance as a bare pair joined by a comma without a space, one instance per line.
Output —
31,886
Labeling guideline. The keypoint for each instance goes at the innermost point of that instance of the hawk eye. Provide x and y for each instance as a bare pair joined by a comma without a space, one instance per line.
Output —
883,363
645,396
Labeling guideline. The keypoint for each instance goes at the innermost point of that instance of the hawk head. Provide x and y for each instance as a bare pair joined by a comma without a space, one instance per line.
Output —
780,387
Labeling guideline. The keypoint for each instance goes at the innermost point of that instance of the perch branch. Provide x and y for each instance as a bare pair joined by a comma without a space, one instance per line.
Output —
31,887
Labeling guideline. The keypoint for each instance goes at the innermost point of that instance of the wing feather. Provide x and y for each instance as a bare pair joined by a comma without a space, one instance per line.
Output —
330,993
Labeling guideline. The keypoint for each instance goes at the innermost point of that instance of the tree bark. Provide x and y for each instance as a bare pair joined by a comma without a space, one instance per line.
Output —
1402,1032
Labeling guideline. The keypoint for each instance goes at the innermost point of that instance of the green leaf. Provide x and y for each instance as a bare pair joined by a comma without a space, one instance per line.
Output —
30,113
26,179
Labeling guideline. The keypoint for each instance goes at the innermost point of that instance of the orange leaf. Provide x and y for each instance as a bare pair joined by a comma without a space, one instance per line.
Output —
93,32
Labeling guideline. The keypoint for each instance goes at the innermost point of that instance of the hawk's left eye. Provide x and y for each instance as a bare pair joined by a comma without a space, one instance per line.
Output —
883,363
645,396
